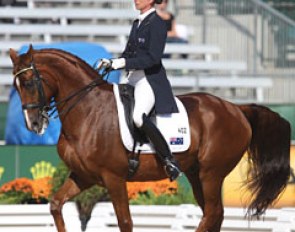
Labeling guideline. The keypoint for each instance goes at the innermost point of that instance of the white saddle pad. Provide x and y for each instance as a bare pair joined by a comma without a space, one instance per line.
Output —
174,127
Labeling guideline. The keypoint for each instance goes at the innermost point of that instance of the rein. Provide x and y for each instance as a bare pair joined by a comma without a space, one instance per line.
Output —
41,105
81,93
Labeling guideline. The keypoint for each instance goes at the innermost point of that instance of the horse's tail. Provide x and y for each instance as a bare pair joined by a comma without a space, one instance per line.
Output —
269,156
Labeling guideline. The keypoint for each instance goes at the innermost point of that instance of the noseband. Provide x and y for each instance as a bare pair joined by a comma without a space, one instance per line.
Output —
37,80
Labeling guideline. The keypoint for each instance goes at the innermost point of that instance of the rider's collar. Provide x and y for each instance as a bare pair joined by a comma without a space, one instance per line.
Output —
141,17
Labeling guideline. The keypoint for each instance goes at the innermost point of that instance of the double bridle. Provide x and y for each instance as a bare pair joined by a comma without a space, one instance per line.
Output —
43,106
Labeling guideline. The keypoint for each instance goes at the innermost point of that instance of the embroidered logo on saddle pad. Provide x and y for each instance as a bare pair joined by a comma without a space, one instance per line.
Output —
174,127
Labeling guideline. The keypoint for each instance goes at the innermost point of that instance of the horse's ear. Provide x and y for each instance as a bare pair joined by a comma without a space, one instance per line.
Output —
13,55
30,51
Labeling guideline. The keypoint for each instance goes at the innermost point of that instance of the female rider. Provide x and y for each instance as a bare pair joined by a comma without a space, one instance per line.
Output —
142,61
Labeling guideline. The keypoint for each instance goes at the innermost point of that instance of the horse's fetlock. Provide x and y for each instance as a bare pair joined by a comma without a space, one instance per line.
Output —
125,223
55,206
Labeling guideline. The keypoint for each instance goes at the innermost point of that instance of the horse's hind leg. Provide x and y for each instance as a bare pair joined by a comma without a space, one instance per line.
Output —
68,190
213,207
192,175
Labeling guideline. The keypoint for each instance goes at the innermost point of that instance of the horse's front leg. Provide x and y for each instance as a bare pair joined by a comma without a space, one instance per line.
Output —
69,189
117,189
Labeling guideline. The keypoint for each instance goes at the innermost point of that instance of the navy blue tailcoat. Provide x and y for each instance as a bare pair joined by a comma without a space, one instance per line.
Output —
144,51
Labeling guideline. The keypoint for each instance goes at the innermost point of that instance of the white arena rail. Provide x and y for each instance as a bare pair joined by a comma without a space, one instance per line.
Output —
193,84
178,64
65,15
205,50
35,3
183,218
50,30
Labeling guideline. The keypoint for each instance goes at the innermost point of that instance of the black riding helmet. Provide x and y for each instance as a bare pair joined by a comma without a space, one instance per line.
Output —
158,1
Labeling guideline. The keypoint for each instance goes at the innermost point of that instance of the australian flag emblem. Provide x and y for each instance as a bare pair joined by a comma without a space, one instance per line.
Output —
176,141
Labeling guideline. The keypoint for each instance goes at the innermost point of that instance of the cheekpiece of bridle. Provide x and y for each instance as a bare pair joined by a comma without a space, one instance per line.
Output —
41,104
37,81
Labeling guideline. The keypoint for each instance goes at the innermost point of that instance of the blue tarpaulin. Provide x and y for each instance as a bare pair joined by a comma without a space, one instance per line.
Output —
16,131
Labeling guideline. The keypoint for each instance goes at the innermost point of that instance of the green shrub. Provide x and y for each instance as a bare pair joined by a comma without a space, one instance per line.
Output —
183,196
59,177
93,194
15,197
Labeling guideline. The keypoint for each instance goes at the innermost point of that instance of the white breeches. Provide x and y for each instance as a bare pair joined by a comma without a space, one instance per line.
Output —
144,101
144,98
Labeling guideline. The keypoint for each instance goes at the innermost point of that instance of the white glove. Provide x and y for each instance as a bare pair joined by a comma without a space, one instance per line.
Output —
111,63
118,63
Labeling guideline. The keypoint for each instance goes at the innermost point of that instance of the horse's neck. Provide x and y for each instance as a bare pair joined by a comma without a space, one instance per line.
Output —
70,76
67,72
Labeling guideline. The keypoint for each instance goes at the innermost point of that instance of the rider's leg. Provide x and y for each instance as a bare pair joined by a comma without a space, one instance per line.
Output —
161,148
144,102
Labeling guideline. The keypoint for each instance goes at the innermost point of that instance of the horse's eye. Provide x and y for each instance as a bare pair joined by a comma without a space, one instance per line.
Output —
28,84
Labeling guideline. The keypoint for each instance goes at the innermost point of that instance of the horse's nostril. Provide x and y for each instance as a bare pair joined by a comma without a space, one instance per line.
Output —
34,123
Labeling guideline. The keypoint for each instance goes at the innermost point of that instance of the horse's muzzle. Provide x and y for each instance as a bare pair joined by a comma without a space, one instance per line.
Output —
37,124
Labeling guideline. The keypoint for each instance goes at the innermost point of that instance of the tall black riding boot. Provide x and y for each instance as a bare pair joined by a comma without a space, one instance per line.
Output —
161,147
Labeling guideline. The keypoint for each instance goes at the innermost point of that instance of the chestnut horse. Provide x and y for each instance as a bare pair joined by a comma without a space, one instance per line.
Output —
90,143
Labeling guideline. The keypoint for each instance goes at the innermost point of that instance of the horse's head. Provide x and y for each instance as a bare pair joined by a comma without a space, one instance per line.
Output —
28,83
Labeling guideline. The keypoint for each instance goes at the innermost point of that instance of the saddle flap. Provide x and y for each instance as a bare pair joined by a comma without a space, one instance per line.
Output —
174,127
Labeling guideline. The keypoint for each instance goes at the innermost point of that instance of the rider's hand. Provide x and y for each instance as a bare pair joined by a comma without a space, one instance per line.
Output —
118,63
111,63
104,63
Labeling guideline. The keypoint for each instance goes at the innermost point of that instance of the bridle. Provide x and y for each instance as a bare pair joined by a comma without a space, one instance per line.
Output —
43,106
37,79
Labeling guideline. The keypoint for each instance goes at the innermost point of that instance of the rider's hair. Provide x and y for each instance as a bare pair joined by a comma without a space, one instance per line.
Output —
158,1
